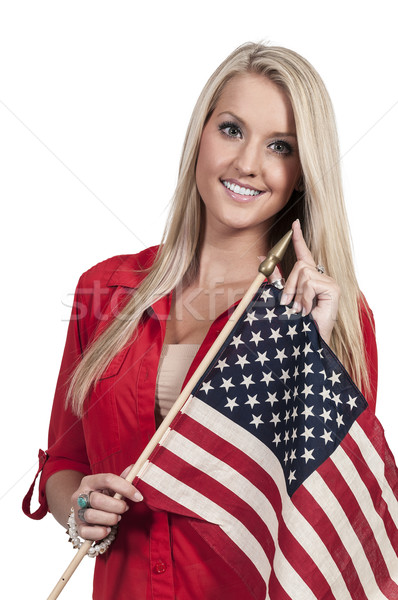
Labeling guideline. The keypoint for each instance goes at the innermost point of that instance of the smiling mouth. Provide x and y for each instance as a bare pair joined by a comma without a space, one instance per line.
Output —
237,189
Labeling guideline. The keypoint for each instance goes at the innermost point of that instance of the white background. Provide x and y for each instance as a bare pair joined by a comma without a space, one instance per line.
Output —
94,100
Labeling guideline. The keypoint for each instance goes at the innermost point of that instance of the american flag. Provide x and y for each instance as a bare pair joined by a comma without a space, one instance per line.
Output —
281,467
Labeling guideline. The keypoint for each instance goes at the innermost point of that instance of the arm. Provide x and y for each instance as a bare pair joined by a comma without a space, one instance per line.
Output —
59,489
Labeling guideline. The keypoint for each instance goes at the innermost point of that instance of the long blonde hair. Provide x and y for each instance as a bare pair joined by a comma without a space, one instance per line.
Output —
320,208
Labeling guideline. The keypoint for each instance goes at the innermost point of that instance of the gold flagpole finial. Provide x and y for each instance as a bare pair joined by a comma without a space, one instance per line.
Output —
275,255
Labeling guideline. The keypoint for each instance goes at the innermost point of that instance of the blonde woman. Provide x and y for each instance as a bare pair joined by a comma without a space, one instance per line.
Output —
260,156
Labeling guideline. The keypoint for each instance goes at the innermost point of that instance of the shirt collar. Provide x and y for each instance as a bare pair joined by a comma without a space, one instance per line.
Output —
132,268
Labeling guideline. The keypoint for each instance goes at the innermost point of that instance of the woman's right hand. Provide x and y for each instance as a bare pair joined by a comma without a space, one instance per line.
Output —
104,510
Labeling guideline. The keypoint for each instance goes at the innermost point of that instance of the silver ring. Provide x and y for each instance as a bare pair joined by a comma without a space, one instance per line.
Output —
80,514
83,501
278,283
320,269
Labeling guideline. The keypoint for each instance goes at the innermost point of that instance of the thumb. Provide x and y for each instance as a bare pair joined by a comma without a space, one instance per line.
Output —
275,275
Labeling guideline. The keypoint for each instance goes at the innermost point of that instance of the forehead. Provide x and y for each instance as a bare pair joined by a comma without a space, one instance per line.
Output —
255,97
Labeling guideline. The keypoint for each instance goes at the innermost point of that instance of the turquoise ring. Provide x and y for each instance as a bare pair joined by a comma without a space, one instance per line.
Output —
83,500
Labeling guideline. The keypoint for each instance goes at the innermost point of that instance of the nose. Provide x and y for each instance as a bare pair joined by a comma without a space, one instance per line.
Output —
248,159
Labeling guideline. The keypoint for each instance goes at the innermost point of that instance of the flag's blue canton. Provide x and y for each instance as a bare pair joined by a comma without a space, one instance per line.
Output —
277,378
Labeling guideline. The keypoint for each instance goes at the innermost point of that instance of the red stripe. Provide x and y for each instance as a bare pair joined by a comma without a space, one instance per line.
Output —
234,557
320,522
220,495
374,487
375,434
338,486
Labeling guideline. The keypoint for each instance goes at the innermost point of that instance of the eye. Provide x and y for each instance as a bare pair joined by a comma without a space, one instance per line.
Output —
230,129
281,147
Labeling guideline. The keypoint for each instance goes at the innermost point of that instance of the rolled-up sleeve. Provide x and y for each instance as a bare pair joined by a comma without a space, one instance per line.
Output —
66,444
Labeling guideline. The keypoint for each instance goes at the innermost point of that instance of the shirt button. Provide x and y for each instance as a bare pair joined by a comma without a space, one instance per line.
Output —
159,567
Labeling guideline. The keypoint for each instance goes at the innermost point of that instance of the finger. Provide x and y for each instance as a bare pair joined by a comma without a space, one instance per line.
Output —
109,481
93,532
107,503
300,247
99,517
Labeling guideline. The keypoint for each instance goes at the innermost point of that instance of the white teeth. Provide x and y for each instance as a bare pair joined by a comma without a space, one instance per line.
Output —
240,190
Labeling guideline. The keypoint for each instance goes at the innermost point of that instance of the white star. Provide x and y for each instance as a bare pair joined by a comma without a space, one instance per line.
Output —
236,341
286,438
326,415
256,421
285,375
306,327
308,455
296,351
275,335
242,361
339,420
296,372
291,476
295,392
307,433
267,377
295,413
266,295
320,352
247,381
288,312
307,390
292,331
327,436
307,412
307,369
280,355
256,338
336,399
251,317
335,377
352,402
227,383
206,386
277,439
270,314
286,396
307,349
222,364
286,458
252,401
262,358
293,455
275,419
324,393
272,399
294,433
323,373
231,403
287,416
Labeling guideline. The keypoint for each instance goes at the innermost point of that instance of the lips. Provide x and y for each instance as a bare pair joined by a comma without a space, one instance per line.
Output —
241,190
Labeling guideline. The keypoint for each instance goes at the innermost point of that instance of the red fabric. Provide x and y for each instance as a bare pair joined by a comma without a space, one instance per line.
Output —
155,556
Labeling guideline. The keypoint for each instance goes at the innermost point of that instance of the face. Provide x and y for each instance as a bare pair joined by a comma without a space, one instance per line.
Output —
248,162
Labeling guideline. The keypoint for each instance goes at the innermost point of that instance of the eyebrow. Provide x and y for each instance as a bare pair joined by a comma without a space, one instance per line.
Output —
275,133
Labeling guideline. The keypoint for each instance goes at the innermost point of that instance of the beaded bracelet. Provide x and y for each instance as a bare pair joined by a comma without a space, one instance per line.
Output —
98,548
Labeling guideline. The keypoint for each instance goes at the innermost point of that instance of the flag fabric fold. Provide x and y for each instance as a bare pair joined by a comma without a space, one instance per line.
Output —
281,467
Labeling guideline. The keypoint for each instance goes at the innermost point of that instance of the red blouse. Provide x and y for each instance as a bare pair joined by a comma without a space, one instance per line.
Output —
156,555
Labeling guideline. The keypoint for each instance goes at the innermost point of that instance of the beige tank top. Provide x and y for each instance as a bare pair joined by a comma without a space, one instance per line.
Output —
175,360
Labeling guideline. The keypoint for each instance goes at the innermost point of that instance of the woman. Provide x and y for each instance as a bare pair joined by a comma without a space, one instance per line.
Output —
260,156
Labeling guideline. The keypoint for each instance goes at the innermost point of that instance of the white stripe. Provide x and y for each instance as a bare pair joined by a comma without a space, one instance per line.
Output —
376,465
212,513
299,527
361,493
322,494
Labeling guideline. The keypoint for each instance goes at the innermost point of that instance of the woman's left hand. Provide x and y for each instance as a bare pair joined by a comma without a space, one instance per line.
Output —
311,290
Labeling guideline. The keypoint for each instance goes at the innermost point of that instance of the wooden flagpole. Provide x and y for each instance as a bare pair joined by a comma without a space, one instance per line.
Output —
265,269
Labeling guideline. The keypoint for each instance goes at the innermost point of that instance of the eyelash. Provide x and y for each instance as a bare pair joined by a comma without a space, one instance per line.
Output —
231,125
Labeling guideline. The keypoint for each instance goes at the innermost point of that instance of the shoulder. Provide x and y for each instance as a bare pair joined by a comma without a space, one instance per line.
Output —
126,270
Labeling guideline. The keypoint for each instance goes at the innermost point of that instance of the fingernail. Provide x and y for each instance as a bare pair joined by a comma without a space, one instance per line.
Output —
108,529
284,299
138,496
127,508
119,517
296,306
